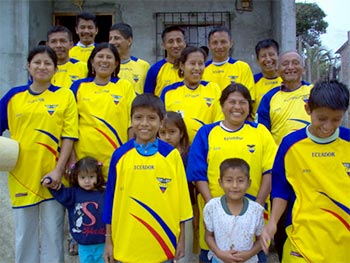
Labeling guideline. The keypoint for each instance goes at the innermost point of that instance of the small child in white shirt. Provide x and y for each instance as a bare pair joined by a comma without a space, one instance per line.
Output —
233,223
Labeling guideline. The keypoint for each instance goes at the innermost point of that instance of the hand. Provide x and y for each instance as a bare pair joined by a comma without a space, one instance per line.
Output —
52,180
180,251
108,253
267,234
229,256
242,256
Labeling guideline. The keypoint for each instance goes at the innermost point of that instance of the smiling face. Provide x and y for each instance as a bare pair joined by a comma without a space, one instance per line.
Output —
145,123
173,43
291,68
324,121
267,60
60,43
235,183
87,180
41,68
104,63
121,44
236,110
193,69
219,45
87,31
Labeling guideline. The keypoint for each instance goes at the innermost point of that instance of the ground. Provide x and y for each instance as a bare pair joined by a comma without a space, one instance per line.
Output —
7,231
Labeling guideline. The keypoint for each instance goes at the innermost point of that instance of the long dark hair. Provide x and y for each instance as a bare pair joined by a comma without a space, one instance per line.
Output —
97,49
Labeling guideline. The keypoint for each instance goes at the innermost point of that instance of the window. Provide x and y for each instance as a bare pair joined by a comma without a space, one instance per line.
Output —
196,25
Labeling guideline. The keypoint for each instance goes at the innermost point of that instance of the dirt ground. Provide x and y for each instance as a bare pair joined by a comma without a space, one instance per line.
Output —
7,230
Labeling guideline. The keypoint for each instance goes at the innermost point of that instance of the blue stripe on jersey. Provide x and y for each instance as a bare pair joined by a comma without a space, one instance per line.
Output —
164,148
264,108
3,105
76,84
258,77
73,60
160,221
151,78
170,87
198,157
134,58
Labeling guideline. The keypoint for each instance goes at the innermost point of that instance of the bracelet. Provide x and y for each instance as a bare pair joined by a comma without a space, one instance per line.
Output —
108,235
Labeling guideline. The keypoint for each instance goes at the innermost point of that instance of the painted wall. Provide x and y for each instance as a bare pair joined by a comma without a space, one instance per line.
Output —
24,23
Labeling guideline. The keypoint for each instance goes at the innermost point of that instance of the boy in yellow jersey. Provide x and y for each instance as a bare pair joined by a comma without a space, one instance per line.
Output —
131,68
310,178
267,51
164,72
147,199
223,69
59,38
86,29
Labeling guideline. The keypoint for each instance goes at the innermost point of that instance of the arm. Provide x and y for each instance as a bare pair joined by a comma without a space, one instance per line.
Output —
245,255
203,188
180,249
278,207
265,189
108,252
56,174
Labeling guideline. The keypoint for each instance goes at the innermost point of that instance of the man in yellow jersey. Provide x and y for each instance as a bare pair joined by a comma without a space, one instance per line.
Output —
59,38
267,51
86,29
131,68
223,69
164,72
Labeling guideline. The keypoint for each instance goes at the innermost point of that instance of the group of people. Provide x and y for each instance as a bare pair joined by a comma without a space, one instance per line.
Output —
141,156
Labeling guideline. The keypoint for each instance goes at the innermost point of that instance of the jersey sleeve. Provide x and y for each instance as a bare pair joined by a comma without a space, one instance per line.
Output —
280,186
184,196
70,127
65,196
264,112
151,80
197,166
270,149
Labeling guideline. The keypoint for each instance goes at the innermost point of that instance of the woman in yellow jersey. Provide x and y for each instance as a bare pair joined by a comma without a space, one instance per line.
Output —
233,137
104,103
196,100
43,118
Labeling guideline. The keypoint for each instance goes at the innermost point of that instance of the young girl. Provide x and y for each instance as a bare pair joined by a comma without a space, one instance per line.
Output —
173,131
84,202
197,100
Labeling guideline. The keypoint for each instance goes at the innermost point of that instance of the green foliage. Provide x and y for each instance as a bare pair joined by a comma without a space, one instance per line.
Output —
310,23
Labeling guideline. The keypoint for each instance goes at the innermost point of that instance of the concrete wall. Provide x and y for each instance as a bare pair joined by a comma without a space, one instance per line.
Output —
14,43
24,23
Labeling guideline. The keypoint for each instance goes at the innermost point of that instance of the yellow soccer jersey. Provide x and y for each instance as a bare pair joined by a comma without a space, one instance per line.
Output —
262,86
283,111
69,72
104,117
312,174
213,144
146,200
135,70
38,122
197,107
159,76
81,53
232,71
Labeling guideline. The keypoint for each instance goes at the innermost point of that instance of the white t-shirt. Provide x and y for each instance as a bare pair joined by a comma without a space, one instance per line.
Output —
234,232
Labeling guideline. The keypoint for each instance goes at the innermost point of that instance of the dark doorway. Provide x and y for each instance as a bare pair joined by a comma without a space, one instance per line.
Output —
104,23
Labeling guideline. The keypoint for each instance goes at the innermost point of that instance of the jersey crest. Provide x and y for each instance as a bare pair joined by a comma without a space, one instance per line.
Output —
163,183
251,148
347,168
51,108
209,101
116,99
